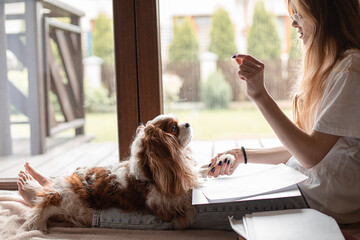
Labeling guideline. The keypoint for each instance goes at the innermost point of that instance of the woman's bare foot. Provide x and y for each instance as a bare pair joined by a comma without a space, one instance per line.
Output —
28,188
42,180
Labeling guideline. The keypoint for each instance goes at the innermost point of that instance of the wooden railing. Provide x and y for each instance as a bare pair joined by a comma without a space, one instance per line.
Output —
70,94
44,71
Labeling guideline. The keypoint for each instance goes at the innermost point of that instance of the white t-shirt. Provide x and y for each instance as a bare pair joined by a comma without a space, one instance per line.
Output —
333,186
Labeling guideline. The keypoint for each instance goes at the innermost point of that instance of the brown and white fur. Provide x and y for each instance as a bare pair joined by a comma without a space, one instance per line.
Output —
156,179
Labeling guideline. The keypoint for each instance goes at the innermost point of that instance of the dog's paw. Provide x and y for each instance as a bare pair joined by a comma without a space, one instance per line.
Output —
224,159
228,159
203,171
35,223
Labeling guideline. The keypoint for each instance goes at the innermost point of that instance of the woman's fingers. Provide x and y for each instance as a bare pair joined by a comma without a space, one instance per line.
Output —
213,161
246,68
232,169
217,168
249,59
227,166
212,166
223,167
251,70
244,75
249,67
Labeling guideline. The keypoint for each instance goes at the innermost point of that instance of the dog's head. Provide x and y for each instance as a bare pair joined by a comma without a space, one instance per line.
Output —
159,155
170,129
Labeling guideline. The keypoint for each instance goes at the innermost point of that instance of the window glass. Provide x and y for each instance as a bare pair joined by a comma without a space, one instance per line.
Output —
200,81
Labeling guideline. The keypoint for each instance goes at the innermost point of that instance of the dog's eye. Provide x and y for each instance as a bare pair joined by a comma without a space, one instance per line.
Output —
174,128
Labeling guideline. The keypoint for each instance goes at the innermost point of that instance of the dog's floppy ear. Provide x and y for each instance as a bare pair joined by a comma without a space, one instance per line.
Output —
159,143
139,128
165,162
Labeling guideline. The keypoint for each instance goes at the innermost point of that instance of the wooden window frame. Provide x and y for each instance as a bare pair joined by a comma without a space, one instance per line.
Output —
137,66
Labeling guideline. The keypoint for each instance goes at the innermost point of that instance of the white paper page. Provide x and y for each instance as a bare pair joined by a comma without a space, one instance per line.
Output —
238,227
249,227
265,181
295,224
292,191
242,170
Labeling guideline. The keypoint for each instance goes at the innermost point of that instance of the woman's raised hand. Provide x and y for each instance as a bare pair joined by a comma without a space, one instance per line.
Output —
251,71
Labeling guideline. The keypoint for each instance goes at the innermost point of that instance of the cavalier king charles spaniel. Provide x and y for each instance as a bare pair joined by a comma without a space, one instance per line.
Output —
156,179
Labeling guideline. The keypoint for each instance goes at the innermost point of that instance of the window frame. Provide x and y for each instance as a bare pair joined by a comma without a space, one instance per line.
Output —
137,66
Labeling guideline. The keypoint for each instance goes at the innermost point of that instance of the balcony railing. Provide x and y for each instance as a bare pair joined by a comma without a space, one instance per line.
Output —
50,49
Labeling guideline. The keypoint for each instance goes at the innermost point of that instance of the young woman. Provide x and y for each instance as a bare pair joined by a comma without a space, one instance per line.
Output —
324,140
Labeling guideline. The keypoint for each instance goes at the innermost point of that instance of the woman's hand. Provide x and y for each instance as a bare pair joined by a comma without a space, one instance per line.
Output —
251,71
225,168
308,148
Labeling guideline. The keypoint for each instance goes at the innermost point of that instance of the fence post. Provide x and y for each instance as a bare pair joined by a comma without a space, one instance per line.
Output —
208,65
36,104
5,136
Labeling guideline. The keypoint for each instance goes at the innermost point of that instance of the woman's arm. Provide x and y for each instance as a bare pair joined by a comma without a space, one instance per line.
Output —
268,155
308,149
263,155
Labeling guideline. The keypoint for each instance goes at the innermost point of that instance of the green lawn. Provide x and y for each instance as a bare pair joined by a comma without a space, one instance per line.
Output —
233,123
238,122
102,125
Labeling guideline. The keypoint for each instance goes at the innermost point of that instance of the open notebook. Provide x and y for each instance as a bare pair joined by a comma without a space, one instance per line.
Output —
294,224
250,182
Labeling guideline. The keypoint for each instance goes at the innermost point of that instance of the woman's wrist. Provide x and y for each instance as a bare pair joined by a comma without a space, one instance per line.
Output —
262,98
239,155
244,154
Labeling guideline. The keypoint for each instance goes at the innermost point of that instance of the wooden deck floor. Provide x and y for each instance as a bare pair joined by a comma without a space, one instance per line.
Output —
65,156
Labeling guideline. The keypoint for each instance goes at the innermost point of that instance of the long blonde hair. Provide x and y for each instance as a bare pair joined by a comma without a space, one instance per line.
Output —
336,28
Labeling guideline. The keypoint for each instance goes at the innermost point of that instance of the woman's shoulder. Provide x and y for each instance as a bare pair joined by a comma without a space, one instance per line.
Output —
346,74
351,59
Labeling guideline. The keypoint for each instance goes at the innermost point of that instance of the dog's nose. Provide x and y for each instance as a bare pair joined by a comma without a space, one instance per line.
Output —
187,125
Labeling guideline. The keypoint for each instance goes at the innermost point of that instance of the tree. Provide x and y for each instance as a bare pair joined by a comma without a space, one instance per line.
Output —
184,46
103,42
222,35
263,39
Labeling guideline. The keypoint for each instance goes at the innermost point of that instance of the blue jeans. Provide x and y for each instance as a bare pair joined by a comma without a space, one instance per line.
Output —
209,216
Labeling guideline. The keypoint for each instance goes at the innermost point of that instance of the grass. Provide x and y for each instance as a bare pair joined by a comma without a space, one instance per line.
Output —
242,120
225,124
234,123
102,125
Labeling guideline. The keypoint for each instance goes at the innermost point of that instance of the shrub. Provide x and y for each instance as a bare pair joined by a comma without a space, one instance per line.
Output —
97,99
216,91
189,73
171,86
